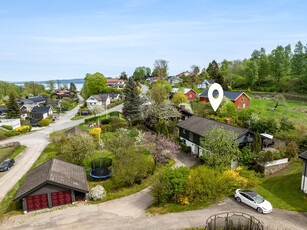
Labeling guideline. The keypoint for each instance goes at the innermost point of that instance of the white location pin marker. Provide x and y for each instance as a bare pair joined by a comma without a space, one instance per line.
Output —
215,102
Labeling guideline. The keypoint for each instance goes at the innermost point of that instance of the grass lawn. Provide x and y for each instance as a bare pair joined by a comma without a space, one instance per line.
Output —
283,191
3,150
15,153
79,118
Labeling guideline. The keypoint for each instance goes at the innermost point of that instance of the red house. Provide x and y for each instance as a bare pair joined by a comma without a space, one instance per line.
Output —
241,99
190,93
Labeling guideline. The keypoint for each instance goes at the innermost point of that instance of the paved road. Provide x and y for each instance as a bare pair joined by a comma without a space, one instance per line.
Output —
36,142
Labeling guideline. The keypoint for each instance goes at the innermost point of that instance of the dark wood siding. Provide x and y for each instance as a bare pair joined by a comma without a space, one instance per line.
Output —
186,135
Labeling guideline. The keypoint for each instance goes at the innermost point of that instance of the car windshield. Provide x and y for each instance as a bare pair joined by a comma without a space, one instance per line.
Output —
258,199
4,163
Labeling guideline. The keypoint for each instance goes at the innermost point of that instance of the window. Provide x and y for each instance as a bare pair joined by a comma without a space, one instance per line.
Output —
183,131
242,99
190,96
191,136
238,106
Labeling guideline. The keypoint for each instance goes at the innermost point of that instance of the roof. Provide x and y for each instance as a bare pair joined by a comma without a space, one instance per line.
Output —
25,101
113,95
201,125
100,97
303,156
185,90
39,109
229,94
37,99
75,130
268,136
57,172
211,81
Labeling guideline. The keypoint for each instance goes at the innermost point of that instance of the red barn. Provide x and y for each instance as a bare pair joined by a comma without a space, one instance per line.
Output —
190,93
241,99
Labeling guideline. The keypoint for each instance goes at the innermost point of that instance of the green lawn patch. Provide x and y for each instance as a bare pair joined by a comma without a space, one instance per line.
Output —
283,191
3,150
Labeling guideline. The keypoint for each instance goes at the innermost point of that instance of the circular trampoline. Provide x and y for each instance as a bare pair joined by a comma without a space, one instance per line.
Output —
101,168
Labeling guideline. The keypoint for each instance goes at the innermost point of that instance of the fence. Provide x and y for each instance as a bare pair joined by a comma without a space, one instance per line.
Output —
233,220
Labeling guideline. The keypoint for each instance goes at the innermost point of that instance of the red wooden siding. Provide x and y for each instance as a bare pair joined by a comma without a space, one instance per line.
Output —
191,95
204,99
242,102
37,202
61,198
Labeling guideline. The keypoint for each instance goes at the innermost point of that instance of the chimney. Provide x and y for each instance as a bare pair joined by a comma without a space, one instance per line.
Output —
182,107
227,121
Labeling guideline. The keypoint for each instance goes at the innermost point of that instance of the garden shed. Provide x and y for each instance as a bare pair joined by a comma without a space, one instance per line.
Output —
53,183
303,156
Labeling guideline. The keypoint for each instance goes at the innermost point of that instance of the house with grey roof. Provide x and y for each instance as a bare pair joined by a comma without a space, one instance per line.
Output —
174,80
39,113
192,130
53,183
98,99
303,156
240,99
205,84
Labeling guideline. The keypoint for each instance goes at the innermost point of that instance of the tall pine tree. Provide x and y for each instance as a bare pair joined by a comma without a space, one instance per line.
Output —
132,103
13,110
256,144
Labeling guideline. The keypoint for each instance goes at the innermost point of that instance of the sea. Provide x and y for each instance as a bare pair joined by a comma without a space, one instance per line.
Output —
79,86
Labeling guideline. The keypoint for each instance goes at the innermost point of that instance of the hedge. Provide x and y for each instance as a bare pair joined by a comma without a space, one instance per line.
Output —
15,146
94,119
44,122
8,127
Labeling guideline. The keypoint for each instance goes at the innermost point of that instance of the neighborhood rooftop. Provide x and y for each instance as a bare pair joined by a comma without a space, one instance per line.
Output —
185,90
229,94
201,125
303,156
101,97
56,172
39,109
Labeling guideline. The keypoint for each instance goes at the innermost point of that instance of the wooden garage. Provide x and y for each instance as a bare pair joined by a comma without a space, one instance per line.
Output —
53,184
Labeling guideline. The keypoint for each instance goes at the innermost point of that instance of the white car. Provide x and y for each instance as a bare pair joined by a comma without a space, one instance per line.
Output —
254,200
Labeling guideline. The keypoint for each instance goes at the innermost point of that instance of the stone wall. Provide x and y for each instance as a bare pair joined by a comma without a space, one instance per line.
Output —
274,168
11,144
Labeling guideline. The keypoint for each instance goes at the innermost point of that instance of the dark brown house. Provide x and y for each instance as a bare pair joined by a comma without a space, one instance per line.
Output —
192,130
52,184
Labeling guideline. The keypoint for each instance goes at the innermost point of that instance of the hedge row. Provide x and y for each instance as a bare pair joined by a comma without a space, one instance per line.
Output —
5,155
8,127
94,119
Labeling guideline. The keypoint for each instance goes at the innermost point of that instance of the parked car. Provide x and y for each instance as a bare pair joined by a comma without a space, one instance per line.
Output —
6,165
253,200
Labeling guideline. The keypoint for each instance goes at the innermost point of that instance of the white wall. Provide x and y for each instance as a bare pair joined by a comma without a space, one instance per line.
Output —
193,146
15,123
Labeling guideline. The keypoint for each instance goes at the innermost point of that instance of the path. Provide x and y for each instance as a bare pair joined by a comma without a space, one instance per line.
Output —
36,143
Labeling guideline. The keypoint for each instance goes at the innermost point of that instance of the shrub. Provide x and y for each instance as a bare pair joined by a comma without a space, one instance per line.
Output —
230,180
186,148
267,156
24,129
97,193
44,122
291,149
95,132
12,133
106,128
245,156
170,185
202,184
6,154
8,127
2,137
286,124
303,142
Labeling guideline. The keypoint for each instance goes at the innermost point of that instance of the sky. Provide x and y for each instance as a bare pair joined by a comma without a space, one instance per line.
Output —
43,40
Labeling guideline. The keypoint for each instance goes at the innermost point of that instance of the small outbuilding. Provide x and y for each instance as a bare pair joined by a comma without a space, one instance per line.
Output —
303,156
53,183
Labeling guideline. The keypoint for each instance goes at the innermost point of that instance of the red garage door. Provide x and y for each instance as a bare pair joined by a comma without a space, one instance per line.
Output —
37,202
61,198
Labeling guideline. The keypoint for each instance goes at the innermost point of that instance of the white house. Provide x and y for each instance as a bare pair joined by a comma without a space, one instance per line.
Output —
303,156
174,80
205,84
39,113
99,99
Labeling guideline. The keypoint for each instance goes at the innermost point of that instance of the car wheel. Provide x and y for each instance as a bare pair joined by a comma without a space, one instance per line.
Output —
259,210
238,199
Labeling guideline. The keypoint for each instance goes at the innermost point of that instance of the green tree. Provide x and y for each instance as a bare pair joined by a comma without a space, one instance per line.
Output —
13,110
251,72
73,87
50,84
297,61
158,93
263,66
280,61
78,147
34,88
195,69
65,86
256,144
179,98
219,147
132,102
123,76
160,68
59,84
96,83
140,73
213,69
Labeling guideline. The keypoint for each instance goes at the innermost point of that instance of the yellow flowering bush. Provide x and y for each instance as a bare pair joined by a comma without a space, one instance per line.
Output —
183,200
95,132
23,129
231,180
